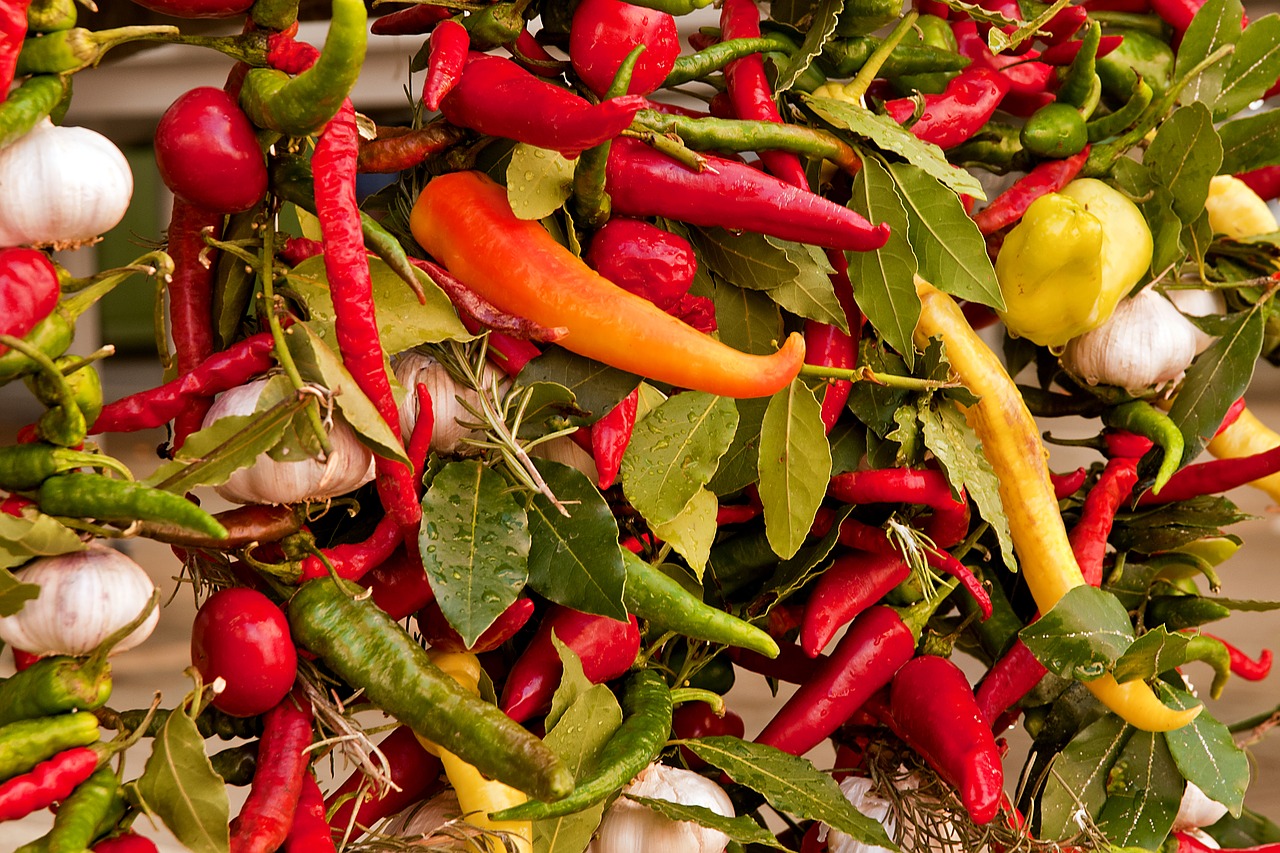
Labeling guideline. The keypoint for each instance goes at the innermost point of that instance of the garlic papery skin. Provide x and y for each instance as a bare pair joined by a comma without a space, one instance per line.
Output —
1199,303
1145,344
1196,809
85,596
61,187
858,791
629,827
447,431
566,451
266,481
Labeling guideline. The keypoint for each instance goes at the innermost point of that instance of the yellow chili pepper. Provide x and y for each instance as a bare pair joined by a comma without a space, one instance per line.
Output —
465,221
1011,443
1236,210
477,795
1245,437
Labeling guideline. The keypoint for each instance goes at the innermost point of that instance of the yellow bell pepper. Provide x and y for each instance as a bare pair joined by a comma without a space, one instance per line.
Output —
477,795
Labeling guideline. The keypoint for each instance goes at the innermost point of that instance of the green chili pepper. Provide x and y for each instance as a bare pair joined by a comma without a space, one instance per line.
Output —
1139,416
302,105
26,743
671,7
80,495
71,50
35,99
24,467
709,60
54,685
80,815
646,704
997,148
859,17
1141,54
114,812
494,26
933,32
1078,79
845,57
236,764
1214,653
366,648
1177,612
83,383
723,134
780,55
50,16
1122,119
1056,130
590,198
667,606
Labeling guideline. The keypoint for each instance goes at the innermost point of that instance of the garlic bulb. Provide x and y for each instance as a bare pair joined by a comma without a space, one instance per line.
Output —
857,790
61,187
1236,210
85,596
429,820
1145,344
1196,809
447,432
629,827
267,481
1199,303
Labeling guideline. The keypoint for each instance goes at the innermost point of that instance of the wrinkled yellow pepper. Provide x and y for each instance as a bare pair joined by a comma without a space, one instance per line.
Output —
1067,264
1235,210
477,795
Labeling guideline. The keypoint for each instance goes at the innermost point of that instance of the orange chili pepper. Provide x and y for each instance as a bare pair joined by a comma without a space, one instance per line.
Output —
464,220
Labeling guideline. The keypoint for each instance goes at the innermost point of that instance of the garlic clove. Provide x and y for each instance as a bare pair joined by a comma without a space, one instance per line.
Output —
629,827
267,481
859,792
1199,303
1145,344
448,430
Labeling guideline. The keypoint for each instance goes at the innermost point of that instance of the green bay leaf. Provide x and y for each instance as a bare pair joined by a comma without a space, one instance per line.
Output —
539,181
179,784
1206,753
795,465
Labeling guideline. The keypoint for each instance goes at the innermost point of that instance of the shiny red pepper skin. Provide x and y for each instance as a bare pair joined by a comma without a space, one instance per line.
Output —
268,811
934,712
508,354
197,8
1265,181
642,182
603,32
749,89
1065,53
696,720
49,782
208,154
851,584
606,646
949,522
643,259
610,437
450,43
829,346
437,631
1049,176
1089,536
28,290
309,832
876,645
1214,476
416,772
1188,843
495,96
1243,665
959,112
127,842
1008,680
414,21
191,302
399,584
791,665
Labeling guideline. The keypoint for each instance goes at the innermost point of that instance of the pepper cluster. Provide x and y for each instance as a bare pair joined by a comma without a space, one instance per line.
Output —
654,367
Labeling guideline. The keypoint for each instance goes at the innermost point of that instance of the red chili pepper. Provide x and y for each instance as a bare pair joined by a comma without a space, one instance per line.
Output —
1137,7
1089,536
191,303
870,652
508,354
23,660
395,149
450,43
851,584
643,259
13,505
220,372
1009,679
533,57
285,53
791,665
414,771
399,584
739,514
959,112
1265,181
309,832
437,631
49,782
1188,843
697,720
610,436
1065,53
1122,443
1048,176
414,21
126,842
606,646
295,250
495,96
1233,414
643,182
1023,74
13,31
1179,14
604,32
28,289
355,318
473,305
749,89
932,709
829,346
1065,24
1214,476
282,765
1243,665
949,522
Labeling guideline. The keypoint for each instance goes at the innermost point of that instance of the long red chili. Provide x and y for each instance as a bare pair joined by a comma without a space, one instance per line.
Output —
1065,53
610,437
1089,536
1009,679
450,43
1048,176
414,772
791,665
1188,843
13,30
829,346
932,709
437,631
1243,665
414,21
749,89
263,822
1065,485
1214,476
191,302
355,321
851,584
949,521
49,782
309,832
959,112
399,584
508,354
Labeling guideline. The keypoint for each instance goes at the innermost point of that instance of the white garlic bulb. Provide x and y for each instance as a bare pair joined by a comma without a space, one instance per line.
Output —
629,827
1196,809
1199,303
1145,344
447,432
858,791
266,481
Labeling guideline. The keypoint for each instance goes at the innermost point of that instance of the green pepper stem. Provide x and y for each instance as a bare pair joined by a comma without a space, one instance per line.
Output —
858,86
681,695
918,615
673,148
66,394
866,374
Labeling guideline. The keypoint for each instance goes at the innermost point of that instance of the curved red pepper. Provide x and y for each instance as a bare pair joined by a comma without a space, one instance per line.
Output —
933,710
1065,53
268,811
399,584
851,584
643,182
437,631
1009,679
309,832
415,772
1243,665
1214,476
450,43
414,21
952,117
1089,536
1049,176
829,346
610,436
606,647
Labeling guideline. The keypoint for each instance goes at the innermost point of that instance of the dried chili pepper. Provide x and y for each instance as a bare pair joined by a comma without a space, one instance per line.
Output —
449,45
495,96
465,221
396,149
1089,537
414,772
220,372
932,709
959,112
851,584
264,820
1047,177
191,303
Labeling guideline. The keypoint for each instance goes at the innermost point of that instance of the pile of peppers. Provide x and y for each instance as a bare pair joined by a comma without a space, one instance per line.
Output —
660,343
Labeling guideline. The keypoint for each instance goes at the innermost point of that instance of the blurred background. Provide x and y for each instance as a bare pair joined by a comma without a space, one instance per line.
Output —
124,98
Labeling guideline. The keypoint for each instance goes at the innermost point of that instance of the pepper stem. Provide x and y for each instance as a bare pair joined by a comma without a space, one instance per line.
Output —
865,374
858,86
918,615
98,659
681,695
